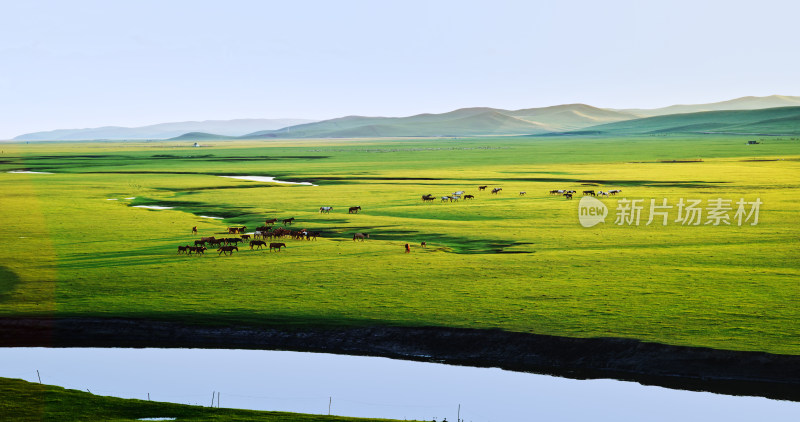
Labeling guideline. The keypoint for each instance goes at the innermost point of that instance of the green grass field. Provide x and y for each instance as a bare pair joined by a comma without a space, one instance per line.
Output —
24,401
517,263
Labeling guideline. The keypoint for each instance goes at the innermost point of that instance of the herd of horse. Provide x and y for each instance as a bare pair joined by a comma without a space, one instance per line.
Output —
227,245
567,194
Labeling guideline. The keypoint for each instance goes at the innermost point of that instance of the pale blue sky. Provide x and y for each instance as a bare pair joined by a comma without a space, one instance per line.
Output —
93,63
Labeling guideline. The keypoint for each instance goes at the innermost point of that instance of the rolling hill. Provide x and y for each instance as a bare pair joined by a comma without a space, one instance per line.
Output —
235,127
462,122
743,103
768,121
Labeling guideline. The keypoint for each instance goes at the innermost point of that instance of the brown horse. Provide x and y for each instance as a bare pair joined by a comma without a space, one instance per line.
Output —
183,249
360,236
354,210
288,221
198,249
271,221
277,246
258,243
194,230
483,187
495,190
228,249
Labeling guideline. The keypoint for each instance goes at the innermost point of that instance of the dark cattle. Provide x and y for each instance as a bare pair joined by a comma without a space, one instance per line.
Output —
258,243
469,197
568,196
360,236
483,187
228,250
354,210
288,221
277,246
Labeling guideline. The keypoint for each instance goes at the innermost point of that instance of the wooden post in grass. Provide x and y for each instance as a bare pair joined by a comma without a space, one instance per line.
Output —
39,376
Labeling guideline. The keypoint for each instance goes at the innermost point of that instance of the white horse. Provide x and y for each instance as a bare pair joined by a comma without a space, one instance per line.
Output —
326,210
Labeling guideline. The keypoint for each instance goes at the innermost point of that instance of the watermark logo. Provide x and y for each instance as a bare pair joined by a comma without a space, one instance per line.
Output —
687,212
591,211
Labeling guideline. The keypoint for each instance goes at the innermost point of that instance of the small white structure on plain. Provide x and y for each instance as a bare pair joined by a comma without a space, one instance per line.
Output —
196,145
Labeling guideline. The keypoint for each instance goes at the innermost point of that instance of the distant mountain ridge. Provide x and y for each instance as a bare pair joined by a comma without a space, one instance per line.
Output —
743,103
767,121
236,127
475,121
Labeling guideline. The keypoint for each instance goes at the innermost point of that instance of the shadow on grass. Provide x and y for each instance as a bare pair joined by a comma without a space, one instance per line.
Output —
456,244
8,282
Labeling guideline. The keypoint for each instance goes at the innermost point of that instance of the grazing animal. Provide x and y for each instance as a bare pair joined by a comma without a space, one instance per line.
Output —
236,230
199,242
326,210
245,237
461,192
614,191
428,197
589,192
469,197
194,230
288,221
601,193
277,246
183,249
228,250
483,187
354,210
207,239
522,194
455,198
567,196
554,192
271,221
495,190
445,198
360,236
258,243
408,248
313,235
423,244
198,250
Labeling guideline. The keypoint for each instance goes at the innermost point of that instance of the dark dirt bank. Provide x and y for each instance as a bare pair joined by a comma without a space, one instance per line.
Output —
689,368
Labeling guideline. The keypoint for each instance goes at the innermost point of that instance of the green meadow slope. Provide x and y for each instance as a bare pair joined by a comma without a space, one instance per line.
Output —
769,121
24,401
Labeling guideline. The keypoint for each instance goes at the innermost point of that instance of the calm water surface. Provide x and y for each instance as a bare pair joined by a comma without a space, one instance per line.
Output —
371,387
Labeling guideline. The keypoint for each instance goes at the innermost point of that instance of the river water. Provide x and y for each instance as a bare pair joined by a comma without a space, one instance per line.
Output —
371,387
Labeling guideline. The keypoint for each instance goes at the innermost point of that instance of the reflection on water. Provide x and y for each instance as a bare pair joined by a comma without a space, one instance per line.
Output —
371,387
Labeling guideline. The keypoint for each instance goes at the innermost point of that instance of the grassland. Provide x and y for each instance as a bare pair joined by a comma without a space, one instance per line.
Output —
24,401
510,262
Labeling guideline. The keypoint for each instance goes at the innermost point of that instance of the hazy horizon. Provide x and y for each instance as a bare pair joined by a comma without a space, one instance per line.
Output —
90,64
